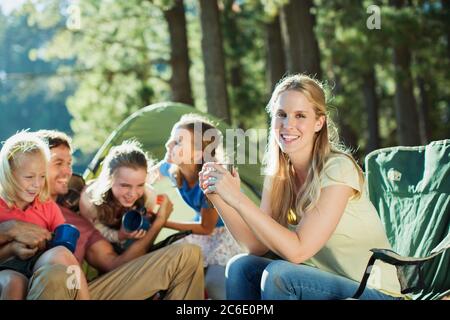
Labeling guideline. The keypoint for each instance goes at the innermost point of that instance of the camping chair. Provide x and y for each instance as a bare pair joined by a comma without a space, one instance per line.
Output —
410,188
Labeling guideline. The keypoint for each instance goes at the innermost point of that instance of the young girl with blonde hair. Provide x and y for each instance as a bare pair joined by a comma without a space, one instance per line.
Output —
24,196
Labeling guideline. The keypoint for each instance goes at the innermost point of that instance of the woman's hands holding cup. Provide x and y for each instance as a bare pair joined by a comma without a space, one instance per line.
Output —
215,179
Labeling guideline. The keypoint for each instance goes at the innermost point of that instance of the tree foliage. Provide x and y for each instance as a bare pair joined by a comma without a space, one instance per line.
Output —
117,60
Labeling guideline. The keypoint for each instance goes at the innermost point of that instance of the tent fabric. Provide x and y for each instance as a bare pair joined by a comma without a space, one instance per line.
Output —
410,188
152,125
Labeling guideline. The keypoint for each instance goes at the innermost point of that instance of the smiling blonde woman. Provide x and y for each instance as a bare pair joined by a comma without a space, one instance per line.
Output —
314,214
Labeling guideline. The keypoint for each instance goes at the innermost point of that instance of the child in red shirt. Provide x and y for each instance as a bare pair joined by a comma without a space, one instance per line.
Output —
24,196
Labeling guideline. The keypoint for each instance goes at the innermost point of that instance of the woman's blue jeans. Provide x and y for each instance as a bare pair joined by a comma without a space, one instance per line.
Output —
254,278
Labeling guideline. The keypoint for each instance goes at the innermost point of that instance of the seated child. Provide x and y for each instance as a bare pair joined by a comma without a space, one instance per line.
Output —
24,196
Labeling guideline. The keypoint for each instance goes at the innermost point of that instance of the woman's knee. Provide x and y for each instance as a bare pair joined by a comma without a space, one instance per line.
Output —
284,280
239,264
278,274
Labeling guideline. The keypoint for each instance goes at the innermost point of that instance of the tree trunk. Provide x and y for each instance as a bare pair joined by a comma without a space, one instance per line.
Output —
180,82
446,5
238,95
346,133
143,74
408,131
215,82
424,110
301,48
231,36
371,103
275,54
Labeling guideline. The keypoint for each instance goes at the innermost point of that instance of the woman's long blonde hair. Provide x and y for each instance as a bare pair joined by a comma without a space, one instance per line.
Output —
286,205
130,155
15,147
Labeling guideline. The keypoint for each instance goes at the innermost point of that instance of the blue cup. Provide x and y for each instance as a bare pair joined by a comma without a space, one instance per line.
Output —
66,235
133,220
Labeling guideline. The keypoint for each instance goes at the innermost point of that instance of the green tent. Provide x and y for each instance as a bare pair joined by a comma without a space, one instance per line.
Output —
410,188
151,126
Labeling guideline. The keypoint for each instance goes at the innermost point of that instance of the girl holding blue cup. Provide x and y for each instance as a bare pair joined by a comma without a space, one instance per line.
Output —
121,187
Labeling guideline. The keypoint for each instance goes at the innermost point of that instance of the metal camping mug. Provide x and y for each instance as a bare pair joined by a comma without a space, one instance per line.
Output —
66,235
133,220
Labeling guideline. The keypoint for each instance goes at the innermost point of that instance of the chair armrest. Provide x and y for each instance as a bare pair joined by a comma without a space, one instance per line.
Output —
394,258
408,269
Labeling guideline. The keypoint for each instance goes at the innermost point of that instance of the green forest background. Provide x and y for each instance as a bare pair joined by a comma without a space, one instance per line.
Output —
84,66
